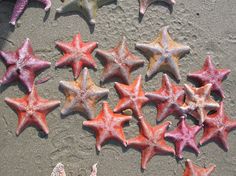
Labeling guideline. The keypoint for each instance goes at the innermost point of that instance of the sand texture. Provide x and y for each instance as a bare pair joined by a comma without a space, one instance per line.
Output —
207,26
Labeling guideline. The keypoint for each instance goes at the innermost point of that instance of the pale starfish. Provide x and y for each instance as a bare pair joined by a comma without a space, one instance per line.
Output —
81,95
164,54
88,8
144,4
21,5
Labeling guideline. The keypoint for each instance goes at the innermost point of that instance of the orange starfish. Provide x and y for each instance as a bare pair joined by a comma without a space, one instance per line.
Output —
194,170
107,125
132,97
77,54
32,110
151,141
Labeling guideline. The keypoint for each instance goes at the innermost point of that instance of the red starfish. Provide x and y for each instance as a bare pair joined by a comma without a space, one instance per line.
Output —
184,136
22,64
151,141
198,102
32,110
218,126
209,74
168,99
119,62
77,54
107,125
194,170
132,97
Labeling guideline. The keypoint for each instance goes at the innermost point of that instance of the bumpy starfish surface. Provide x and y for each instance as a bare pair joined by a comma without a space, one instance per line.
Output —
169,99
22,64
144,4
217,127
107,126
198,102
88,8
132,97
32,110
194,170
21,5
151,141
184,136
81,95
164,54
77,54
119,62
209,74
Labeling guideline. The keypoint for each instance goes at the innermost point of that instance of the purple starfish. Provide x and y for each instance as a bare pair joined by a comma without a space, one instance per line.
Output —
21,5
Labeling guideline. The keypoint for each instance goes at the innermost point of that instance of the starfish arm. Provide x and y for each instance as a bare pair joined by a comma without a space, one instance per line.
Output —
123,104
67,108
208,134
174,68
65,60
25,49
41,122
179,147
65,47
101,138
70,6
17,11
47,3
192,144
68,87
210,169
153,96
121,119
122,89
15,104
47,106
137,142
153,48
180,51
109,72
164,112
88,60
9,57
165,37
77,67
22,123
108,56
200,115
197,75
9,76
89,47
208,64
124,74
147,155
118,134
174,135
36,64
95,124
224,73
27,78
189,91
230,125
162,128
212,105
222,136
133,61
207,90
89,9
100,93
88,108
155,67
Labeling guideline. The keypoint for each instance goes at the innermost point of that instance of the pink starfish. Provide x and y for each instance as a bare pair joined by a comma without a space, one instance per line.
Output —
184,136
21,5
209,74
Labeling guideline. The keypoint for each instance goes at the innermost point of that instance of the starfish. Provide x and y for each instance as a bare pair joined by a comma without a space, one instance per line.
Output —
151,141
132,97
20,7
81,94
144,4
22,64
168,99
77,54
198,102
184,136
88,8
119,62
164,54
217,127
32,110
209,74
194,170
60,171
107,126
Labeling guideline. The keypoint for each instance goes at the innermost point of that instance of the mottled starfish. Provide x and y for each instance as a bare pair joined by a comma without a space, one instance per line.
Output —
81,95
88,8
164,54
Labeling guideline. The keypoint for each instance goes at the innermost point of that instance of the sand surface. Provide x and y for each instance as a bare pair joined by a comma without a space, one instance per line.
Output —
207,26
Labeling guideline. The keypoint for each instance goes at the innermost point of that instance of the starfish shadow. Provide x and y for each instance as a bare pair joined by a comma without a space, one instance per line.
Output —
219,144
91,27
158,3
41,6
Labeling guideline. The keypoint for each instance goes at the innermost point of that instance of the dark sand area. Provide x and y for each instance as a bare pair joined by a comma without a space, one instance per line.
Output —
207,26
